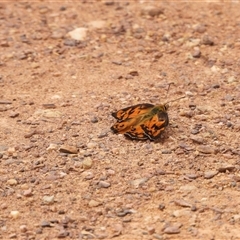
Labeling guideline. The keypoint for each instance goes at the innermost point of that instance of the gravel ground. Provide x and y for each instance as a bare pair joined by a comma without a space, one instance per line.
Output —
64,67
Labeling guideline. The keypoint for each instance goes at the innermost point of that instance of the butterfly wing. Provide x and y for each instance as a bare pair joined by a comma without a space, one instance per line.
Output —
133,111
122,126
136,132
154,126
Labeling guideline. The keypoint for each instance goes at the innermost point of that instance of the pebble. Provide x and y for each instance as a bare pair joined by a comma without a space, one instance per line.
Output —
15,214
137,182
182,212
70,42
196,52
210,174
152,11
87,163
231,79
28,192
45,224
133,73
182,203
78,34
11,151
23,228
91,145
48,199
52,147
12,235
229,98
197,139
104,184
94,203
174,229
68,149
12,182
207,149
229,168
207,40
13,114
236,178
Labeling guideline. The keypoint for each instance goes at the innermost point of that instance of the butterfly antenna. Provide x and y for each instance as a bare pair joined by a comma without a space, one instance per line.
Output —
169,88
174,100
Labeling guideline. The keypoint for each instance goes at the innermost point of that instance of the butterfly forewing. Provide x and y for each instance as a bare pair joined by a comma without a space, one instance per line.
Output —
133,111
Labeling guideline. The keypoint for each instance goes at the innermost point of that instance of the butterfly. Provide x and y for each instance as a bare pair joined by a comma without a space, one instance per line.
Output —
142,121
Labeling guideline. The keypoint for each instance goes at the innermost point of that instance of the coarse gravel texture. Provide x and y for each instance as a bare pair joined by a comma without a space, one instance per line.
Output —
65,66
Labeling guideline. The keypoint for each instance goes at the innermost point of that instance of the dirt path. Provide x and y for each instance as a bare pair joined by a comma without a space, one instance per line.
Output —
63,174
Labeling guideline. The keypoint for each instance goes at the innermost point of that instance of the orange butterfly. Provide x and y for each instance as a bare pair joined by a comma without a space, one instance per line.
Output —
142,121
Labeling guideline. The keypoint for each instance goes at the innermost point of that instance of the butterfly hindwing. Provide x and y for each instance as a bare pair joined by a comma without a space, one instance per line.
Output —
154,126
136,132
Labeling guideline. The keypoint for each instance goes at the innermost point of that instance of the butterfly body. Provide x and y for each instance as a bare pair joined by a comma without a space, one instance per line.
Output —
141,121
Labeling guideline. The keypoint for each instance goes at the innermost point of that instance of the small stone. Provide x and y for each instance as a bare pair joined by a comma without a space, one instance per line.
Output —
196,52
104,184
94,119
207,40
151,230
236,178
133,73
182,212
161,206
13,114
48,199
200,28
229,168
78,34
94,203
137,182
15,214
192,176
45,224
4,44
11,151
172,230
12,182
229,98
23,228
63,234
70,42
152,11
91,145
28,192
206,149
231,79
49,105
197,139
68,149
87,163
57,74
52,147
182,203
12,235
210,174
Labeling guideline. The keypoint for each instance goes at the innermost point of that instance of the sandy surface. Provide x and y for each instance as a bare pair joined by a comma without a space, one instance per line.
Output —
63,174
